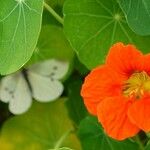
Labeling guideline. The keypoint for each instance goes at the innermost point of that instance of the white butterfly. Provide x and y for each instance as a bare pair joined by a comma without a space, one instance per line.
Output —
40,81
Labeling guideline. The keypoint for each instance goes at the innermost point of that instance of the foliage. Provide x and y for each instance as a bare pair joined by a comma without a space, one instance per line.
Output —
93,137
18,32
137,14
44,126
81,33
95,26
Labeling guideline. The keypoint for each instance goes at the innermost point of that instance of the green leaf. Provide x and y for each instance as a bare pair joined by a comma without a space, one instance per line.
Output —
82,70
20,23
92,26
147,146
45,126
52,44
93,137
55,3
74,103
137,14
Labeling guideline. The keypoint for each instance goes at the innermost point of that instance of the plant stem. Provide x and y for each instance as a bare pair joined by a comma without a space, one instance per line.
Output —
56,16
138,141
62,139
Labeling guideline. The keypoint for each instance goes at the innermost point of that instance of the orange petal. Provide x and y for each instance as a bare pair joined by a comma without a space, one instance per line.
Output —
112,113
146,63
100,83
139,113
125,59
91,107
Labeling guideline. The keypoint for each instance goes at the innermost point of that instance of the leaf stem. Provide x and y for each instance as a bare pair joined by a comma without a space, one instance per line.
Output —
62,138
55,15
138,141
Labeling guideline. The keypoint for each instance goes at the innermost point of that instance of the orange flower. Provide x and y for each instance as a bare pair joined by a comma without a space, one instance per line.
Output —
118,93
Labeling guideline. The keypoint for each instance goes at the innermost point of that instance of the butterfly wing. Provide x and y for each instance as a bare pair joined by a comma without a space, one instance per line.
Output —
14,89
54,68
44,89
7,87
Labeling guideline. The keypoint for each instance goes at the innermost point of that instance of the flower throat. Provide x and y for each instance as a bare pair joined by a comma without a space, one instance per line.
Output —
137,85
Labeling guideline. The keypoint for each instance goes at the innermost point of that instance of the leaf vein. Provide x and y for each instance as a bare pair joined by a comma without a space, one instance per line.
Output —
2,20
103,6
90,15
125,32
97,33
31,9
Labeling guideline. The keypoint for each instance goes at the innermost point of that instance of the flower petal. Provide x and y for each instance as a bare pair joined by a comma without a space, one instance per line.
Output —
91,107
139,113
146,63
100,83
125,59
112,113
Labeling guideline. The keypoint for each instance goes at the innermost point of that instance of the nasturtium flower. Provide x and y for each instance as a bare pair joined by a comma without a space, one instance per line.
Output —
118,92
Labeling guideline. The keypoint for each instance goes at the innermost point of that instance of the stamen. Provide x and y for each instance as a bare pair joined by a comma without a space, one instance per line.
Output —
137,85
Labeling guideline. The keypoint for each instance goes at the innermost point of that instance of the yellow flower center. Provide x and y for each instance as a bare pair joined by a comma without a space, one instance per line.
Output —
137,84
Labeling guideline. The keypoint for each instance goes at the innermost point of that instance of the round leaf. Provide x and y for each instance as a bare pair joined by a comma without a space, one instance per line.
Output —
93,26
44,126
20,23
137,14
52,44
